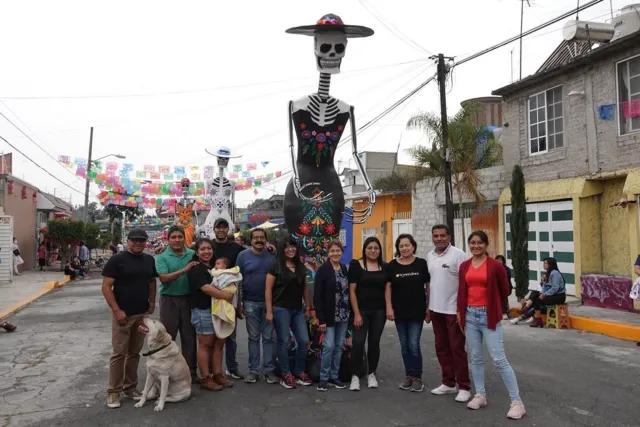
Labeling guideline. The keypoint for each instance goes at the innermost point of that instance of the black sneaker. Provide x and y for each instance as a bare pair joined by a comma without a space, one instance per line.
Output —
337,383
322,386
195,379
235,374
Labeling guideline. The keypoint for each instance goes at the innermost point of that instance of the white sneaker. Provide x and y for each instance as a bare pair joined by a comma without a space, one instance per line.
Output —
515,320
355,383
443,389
530,320
463,396
372,382
505,317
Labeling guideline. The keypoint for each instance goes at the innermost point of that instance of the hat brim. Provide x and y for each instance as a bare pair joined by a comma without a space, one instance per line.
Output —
214,152
351,31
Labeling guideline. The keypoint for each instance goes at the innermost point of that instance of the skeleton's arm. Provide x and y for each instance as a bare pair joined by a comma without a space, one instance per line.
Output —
297,187
360,216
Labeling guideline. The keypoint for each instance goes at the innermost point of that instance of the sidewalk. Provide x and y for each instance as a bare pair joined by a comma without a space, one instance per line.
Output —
26,288
618,324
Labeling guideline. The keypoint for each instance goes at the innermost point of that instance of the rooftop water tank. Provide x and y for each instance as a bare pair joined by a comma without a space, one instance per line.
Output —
627,22
596,32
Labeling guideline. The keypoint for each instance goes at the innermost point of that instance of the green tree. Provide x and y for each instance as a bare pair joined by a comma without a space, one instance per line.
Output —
519,232
92,235
95,212
396,181
471,147
114,212
106,239
65,234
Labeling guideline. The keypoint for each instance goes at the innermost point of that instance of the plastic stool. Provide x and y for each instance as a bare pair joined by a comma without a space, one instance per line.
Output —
558,317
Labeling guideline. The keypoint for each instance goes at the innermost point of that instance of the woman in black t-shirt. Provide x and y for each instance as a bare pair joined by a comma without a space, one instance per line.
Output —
407,306
368,280
285,288
209,346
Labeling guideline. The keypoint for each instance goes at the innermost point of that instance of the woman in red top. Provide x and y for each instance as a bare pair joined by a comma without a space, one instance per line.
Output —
483,284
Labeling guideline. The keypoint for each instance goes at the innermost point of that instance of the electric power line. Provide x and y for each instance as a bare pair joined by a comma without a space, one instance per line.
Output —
211,89
397,33
48,173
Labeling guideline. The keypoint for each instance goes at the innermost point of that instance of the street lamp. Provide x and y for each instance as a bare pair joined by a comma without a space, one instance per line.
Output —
88,182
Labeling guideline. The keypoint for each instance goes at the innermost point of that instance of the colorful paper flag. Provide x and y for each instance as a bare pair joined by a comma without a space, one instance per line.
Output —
278,174
155,175
149,168
251,166
164,169
141,174
246,174
233,175
168,176
237,168
195,176
179,170
264,164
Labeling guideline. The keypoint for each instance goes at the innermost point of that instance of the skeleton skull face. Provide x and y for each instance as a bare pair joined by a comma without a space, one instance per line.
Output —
330,49
223,162
185,184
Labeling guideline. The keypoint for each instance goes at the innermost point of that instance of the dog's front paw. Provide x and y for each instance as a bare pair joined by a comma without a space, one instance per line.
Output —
140,404
159,407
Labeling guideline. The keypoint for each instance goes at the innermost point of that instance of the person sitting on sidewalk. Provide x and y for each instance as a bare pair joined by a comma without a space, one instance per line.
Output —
553,291
527,311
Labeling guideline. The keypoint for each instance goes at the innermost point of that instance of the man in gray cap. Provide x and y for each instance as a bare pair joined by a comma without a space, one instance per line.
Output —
129,286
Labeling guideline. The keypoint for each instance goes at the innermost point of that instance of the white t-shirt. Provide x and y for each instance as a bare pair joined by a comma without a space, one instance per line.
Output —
443,270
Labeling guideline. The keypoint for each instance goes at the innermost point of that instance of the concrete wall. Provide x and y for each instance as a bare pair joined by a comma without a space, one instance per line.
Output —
429,199
615,230
24,212
590,144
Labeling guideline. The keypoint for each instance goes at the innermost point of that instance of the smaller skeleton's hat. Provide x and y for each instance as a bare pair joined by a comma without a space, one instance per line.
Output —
331,22
222,151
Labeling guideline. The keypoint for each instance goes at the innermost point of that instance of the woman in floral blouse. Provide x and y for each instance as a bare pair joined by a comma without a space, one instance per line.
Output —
331,302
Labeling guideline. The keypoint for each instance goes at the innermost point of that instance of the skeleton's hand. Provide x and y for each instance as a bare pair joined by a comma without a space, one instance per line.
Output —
297,189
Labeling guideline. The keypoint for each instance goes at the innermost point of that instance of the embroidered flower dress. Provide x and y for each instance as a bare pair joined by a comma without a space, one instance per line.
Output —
314,224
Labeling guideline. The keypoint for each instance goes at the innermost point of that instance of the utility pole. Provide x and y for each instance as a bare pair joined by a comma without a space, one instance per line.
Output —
521,30
87,179
443,70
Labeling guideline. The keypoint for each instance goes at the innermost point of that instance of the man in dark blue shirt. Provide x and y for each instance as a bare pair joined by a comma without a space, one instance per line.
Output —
254,264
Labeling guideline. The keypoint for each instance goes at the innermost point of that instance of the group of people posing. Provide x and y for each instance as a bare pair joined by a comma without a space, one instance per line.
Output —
461,297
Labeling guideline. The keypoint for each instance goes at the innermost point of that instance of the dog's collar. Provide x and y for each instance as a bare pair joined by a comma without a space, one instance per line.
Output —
149,353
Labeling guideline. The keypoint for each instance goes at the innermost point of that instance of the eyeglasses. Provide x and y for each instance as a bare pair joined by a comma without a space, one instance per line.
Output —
138,241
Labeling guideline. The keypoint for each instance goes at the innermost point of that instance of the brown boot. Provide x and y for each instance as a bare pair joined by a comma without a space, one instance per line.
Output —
220,379
208,383
538,322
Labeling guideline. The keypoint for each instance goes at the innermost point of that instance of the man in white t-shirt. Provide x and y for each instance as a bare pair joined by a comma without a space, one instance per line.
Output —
443,262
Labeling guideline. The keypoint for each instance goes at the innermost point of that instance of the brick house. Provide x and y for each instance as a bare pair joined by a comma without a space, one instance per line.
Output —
574,127
20,200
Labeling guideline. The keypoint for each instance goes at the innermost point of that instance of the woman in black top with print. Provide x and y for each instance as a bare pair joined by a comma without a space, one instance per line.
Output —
367,282
285,288
331,303
407,306
209,346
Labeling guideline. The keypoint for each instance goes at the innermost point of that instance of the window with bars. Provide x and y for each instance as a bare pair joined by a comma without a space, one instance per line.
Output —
629,95
546,126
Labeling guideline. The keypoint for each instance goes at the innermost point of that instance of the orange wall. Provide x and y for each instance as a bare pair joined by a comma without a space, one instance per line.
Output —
386,206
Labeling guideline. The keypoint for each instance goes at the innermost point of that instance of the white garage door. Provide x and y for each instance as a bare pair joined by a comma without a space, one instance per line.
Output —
550,235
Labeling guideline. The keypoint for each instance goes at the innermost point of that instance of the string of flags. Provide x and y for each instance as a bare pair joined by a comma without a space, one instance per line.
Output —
157,172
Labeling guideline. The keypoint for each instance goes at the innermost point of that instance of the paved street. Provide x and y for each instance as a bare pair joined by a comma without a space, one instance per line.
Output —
53,372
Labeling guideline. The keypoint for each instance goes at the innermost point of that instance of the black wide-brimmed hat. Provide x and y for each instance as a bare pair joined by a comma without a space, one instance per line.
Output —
331,22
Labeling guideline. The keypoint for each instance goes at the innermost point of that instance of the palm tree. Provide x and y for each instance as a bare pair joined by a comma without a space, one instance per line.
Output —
472,147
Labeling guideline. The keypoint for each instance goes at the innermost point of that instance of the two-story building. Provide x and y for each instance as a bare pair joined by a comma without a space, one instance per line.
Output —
574,127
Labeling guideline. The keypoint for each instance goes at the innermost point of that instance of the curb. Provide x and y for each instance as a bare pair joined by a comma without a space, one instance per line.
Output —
50,286
623,331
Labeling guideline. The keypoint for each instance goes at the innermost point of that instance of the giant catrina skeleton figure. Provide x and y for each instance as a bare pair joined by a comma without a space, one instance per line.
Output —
221,193
314,201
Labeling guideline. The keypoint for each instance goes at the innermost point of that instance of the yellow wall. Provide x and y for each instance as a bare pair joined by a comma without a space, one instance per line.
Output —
615,230
386,206
590,231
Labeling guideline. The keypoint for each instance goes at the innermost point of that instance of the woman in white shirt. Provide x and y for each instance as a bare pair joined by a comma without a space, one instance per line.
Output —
17,259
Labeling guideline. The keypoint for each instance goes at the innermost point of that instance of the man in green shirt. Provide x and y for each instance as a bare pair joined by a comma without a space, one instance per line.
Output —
175,311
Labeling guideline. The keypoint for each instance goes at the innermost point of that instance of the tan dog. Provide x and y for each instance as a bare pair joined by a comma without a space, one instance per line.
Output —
167,371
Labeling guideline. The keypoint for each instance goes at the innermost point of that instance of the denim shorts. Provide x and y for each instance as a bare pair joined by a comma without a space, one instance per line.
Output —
202,321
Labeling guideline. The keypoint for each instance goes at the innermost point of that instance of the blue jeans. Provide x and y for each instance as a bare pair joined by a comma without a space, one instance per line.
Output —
283,319
257,327
409,333
476,329
332,343
230,348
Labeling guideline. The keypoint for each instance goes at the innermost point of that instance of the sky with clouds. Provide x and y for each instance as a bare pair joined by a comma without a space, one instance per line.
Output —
161,81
